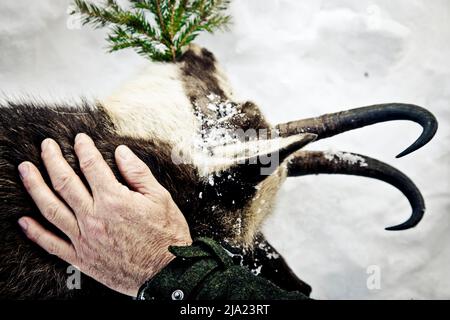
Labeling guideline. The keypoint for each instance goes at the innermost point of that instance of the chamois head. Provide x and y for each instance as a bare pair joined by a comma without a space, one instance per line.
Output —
240,159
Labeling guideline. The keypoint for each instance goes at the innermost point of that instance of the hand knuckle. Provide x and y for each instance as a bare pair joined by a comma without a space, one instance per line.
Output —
51,212
88,163
62,182
85,207
52,249
137,171
165,195
109,201
118,200
34,236
123,189
95,226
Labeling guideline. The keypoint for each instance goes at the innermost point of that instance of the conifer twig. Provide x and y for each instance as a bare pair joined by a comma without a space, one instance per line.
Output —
157,29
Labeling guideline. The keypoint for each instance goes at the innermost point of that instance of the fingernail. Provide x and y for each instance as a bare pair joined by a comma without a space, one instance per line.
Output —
124,152
80,137
45,144
23,224
24,168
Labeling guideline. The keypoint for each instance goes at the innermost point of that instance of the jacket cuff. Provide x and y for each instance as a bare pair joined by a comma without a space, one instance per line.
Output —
192,265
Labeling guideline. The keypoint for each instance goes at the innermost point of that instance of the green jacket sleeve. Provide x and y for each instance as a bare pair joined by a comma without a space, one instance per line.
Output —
204,271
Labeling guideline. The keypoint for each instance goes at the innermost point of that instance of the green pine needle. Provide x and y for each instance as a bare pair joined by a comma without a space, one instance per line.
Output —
157,29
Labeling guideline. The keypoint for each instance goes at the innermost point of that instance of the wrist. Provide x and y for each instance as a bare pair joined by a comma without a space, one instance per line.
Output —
191,266
166,257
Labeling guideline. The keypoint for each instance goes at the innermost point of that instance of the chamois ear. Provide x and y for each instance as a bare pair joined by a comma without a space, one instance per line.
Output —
255,160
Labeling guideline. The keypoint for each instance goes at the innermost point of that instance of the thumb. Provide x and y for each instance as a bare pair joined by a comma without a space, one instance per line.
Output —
136,173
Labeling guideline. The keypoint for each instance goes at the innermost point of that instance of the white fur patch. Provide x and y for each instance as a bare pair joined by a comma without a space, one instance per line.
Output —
154,106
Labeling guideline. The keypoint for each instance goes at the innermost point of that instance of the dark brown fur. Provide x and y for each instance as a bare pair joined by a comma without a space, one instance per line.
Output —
199,72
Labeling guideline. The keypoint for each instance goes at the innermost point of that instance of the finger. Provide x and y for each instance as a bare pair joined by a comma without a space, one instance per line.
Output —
52,208
64,180
47,240
97,172
136,173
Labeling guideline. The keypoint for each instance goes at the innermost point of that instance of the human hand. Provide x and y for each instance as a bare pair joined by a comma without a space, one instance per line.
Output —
119,237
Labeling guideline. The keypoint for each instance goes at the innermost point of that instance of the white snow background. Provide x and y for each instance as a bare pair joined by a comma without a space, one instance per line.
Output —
300,59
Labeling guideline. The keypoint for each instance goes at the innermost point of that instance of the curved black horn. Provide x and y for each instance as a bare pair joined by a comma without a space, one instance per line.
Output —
335,123
317,162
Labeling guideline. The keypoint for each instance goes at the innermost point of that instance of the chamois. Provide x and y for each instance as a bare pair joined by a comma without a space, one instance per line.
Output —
178,117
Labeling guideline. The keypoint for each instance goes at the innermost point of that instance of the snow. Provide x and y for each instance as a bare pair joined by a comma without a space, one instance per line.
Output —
211,180
299,59
215,130
161,48
269,253
238,226
350,158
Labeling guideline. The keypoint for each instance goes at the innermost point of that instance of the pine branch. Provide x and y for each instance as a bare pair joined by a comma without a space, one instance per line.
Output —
176,23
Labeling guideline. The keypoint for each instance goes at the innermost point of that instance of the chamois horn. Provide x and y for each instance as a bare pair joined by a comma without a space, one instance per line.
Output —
317,162
328,125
